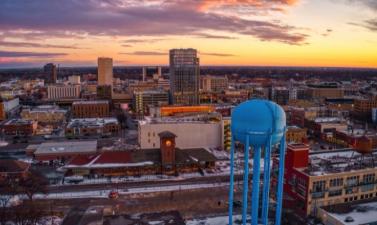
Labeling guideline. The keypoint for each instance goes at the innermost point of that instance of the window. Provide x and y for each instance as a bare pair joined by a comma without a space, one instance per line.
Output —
335,193
318,189
352,181
351,190
336,182
368,178
319,186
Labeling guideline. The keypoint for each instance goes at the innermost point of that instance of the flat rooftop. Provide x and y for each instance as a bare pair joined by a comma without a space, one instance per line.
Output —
90,102
66,147
339,161
328,120
91,122
18,122
197,118
361,213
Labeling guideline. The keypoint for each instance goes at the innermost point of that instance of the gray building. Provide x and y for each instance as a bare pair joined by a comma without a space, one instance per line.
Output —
184,76
51,73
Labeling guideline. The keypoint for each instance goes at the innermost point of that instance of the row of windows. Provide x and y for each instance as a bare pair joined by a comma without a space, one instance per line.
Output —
336,182
350,181
355,198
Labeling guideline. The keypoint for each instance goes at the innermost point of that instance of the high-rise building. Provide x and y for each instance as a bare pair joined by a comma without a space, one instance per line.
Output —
51,73
184,76
105,71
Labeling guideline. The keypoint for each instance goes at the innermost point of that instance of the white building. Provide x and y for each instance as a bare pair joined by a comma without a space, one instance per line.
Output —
105,71
74,79
63,91
192,132
11,104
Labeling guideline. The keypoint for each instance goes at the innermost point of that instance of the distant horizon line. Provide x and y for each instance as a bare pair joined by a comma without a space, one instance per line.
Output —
166,65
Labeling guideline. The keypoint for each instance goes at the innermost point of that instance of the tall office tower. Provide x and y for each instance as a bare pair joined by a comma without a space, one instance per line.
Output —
184,76
51,73
105,71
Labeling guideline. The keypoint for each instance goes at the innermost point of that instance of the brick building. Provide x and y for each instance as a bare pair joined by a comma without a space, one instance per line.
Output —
19,127
164,160
99,127
14,169
90,109
313,180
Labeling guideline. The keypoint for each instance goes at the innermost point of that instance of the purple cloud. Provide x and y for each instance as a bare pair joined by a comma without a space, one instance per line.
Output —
131,18
370,24
34,45
213,36
9,54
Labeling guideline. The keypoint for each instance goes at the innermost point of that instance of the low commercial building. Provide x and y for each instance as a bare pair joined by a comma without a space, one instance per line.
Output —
104,92
321,179
19,127
63,151
362,212
296,134
213,83
326,90
45,114
280,95
7,106
168,159
98,127
142,100
13,169
192,132
324,125
363,107
90,109
75,79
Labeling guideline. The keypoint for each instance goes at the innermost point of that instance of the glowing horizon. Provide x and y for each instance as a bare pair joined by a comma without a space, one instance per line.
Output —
229,33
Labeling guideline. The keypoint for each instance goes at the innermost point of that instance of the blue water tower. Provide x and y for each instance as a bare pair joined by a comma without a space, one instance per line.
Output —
259,125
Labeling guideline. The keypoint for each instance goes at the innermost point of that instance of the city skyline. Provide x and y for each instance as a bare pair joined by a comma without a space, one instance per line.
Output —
231,32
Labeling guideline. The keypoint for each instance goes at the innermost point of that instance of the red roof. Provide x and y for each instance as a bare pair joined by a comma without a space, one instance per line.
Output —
114,157
13,166
81,160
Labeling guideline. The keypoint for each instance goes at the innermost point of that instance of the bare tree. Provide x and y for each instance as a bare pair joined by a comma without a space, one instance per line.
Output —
33,184
27,214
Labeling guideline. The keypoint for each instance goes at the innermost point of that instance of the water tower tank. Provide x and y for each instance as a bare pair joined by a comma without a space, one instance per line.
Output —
258,118
364,145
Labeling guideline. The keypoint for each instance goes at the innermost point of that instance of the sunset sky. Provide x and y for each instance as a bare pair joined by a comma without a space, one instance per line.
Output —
225,32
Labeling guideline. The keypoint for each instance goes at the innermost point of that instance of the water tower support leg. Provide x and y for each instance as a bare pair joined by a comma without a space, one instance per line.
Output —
266,183
231,185
255,193
245,181
279,200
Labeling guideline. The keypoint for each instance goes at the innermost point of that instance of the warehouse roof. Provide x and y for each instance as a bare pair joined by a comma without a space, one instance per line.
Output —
66,147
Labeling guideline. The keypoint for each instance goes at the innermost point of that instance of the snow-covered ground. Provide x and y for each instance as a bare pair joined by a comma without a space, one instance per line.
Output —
220,220
222,169
105,193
